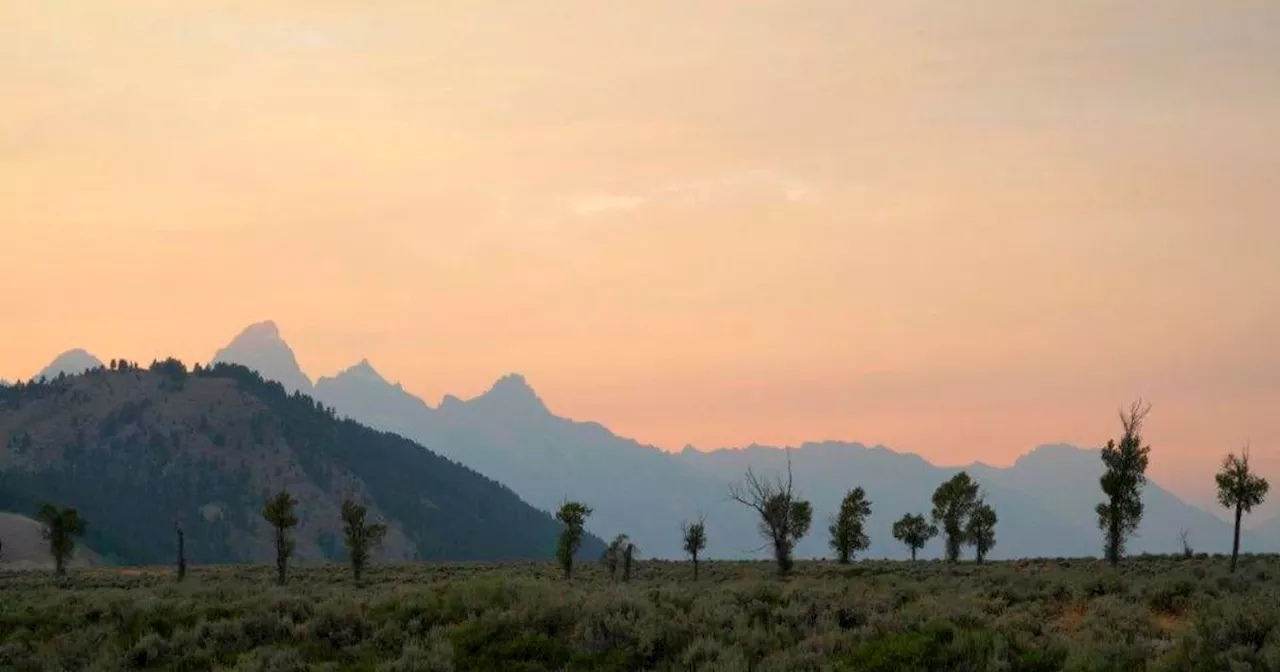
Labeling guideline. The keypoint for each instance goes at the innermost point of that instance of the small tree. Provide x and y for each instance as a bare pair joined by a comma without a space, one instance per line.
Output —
953,504
981,530
695,540
1241,489
279,512
628,559
914,531
573,515
1122,482
61,527
848,536
182,550
1185,542
613,555
784,518
360,536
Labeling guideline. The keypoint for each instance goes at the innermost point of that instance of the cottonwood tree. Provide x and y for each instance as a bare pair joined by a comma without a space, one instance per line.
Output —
359,536
1240,489
914,531
279,511
573,515
784,518
981,530
847,527
61,527
695,540
1122,482
953,503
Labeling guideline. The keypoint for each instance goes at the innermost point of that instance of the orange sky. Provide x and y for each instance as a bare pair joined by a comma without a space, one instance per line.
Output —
960,229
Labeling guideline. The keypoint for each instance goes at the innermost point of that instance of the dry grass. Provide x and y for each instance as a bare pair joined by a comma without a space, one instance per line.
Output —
1157,613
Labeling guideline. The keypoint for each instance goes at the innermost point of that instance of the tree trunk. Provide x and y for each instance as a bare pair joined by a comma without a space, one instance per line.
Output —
695,566
1113,539
1235,544
913,554
281,561
182,555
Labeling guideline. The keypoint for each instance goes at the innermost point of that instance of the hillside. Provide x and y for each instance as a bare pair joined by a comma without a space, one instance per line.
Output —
136,449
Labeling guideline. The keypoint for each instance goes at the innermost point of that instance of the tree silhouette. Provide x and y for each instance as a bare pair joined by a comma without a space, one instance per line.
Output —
360,536
784,518
981,530
614,553
182,550
1126,468
695,540
914,531
953,503
61,527
573,515
1241,489
279,512
847,527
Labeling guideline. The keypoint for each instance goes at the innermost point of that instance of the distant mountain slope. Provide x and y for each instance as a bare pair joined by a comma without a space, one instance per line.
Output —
132,449
70,363
260,348
896,484
508,434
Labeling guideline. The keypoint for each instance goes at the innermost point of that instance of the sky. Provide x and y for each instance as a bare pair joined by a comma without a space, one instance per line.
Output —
958,229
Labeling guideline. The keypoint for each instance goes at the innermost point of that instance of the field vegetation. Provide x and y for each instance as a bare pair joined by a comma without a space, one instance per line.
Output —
1151,612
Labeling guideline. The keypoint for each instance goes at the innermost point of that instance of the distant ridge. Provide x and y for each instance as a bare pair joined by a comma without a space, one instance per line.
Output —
1045,499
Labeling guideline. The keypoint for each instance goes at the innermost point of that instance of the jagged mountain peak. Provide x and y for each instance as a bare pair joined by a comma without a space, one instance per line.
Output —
362,370
266,331
261,347
512,392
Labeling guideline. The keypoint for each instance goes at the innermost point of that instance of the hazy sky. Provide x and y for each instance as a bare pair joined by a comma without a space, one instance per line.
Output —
960,229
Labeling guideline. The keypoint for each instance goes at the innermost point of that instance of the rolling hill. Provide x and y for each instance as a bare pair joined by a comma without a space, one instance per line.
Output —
137,449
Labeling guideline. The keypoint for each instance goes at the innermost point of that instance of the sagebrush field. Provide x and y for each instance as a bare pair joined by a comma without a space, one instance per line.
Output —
1161,613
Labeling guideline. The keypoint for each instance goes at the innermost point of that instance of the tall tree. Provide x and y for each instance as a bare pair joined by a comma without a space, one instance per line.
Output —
784,517
981,530
573,515
848,535
914,531
1240,489
1122,482
953,504
695,540
360,536
279,512
61,527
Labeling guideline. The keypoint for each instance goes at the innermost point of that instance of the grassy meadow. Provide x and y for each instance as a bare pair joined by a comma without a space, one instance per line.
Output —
1159,613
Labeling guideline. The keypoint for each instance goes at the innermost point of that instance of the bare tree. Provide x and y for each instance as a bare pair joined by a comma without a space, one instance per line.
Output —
1185,541
784,519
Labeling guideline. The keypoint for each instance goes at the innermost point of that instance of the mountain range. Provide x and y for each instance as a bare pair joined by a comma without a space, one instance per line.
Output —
1045,500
